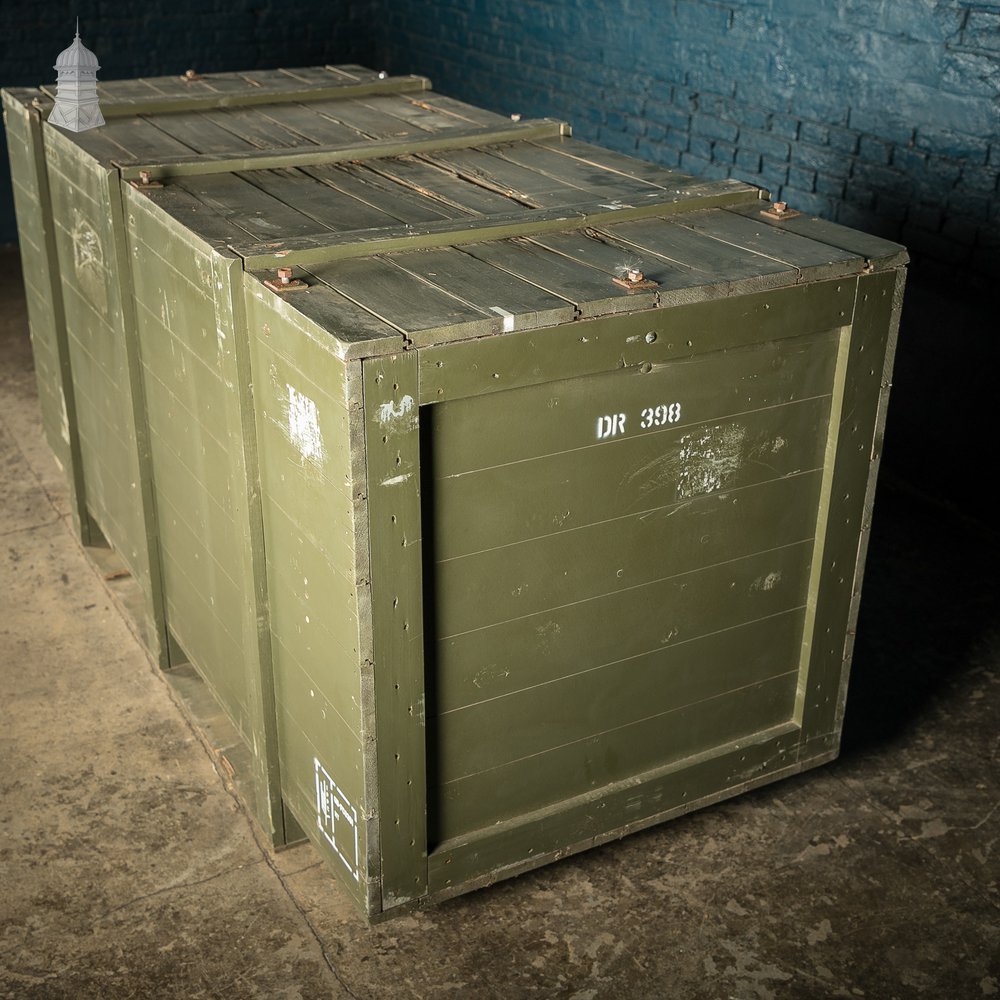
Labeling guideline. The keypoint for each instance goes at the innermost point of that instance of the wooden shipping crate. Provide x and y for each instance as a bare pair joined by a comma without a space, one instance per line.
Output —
530,510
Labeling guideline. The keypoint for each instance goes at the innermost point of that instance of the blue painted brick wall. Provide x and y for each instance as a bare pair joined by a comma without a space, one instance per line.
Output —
159,38
881,115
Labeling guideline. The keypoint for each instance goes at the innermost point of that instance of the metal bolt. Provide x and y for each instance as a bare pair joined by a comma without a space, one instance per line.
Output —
515,118
144,177
780,207
285,275
382,74
634,275
191,74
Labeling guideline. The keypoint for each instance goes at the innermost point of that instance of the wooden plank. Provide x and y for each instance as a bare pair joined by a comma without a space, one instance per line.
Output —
422,116
632,341
143,530
530,187
587,175
196,131
612,811
321,249
231,318
458,109
367,186
354,331
596,700
221,97
203,224
222,151
535,497
880,253
478,802
333,209
683,244
607,159
845,514
393,453
24,127
248,207
814,261
511,656
433,182
251,125
497,585
520,305
307,121
419,310
566,416
592,290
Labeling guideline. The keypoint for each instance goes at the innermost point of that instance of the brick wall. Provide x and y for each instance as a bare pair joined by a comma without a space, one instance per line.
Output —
158,38
881,115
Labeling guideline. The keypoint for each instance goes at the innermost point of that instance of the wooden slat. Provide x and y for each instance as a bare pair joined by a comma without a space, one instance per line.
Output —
61,420
356,332
478,802
318,248
881,253
497,585
560,416
592,290
607,159
816,261
329,207
246,206
198,132
393,463
409,207
530,187
845,515
479,666
223,151
191,98
402,300
652,337
519,305
536,497
441,185
594,701
685,245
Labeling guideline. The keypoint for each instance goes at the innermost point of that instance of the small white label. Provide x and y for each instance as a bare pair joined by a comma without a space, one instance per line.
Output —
508,318
337,820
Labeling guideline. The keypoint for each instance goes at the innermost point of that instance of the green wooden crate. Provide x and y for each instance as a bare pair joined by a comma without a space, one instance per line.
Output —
489,553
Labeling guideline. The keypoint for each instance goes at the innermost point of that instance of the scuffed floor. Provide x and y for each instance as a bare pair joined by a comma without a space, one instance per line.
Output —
128,870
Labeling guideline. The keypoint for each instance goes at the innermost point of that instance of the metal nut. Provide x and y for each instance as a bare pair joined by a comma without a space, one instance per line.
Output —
634,274
780,207
285,275
145,176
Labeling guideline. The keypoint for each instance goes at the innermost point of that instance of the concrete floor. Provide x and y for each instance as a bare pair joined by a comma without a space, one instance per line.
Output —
129,870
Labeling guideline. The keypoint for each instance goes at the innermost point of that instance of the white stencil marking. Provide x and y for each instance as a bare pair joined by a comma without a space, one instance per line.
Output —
332,808
303,425
396,416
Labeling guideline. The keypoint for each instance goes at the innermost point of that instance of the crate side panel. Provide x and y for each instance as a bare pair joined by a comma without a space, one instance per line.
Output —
191,388
38,277
308,502
600,496
91,296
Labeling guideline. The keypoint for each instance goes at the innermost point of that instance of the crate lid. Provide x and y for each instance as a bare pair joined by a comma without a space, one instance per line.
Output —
409,218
